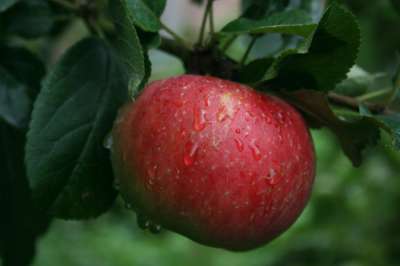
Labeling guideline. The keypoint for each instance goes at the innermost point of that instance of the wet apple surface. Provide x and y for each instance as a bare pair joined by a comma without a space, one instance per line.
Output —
214,160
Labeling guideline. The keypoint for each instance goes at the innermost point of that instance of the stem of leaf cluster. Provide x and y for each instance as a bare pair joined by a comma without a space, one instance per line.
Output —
93,27
203,23
373,95
174,35
212,27
393,95
246,54
354,103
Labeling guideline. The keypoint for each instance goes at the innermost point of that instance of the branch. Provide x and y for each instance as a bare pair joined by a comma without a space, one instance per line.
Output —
354,104
174,48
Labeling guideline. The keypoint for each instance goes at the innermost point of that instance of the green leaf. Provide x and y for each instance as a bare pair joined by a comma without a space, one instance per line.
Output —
353,135
255,70
68,168
26,67
15,104
388,122
142,15
296,22
358,82
256,9
326,56
5,4
28,18
128,45
396,5
149,40
157,6
15,199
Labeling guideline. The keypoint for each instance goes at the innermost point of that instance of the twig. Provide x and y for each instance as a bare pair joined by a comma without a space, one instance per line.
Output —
211,20
354,104
174,35
246,54
373,95
203,23
170,46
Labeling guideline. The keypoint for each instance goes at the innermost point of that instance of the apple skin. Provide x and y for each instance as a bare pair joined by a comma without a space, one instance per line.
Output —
214,160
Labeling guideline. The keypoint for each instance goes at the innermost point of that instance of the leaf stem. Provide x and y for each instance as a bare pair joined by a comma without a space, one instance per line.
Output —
373,95
93,27
170,46
228,43
203,23
396,87
246,54
354,103
211,20
174,35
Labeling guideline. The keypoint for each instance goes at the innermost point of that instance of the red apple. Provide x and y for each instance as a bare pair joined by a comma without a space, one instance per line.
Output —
214,160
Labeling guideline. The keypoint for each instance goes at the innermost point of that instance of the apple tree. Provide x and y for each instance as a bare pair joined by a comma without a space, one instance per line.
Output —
56,114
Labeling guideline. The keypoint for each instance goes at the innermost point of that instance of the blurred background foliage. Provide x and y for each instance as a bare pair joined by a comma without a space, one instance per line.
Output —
352,219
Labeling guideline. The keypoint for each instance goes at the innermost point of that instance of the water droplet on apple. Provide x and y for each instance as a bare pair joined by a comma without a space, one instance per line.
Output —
199,121
222,115
154,228
108,141
206,100
239,145
190,152
251,114
178,103
255,150
152,171
268,119
142,221
271,176
183,133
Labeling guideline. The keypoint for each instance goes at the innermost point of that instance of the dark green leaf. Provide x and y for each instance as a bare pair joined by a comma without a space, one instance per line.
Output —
149,40
28,18
255,70
354,136
358,82
296,22
5,4
15,104
68,168
24,66
157,6
326,57
256,9
142,15
128,45
388,122
396,5
16,225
